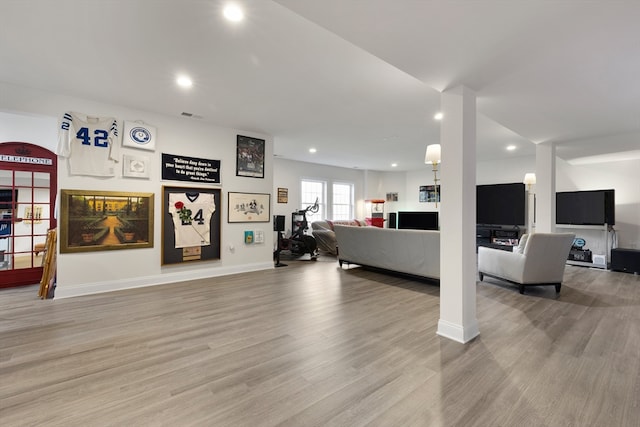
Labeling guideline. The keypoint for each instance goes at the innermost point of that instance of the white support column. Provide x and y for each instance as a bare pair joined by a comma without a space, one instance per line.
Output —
546,188
458,269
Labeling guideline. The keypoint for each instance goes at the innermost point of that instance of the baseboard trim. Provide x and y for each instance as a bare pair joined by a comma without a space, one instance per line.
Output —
70,291
459,333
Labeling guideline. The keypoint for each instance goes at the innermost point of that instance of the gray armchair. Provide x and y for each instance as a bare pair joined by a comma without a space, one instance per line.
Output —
540,259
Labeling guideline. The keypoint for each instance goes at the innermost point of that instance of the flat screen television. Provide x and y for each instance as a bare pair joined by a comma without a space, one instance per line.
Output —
418,220
501,204
7,197
596,207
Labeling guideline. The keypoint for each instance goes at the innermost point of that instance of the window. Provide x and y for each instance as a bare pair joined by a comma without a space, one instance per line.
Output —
312,190
338,204
342,201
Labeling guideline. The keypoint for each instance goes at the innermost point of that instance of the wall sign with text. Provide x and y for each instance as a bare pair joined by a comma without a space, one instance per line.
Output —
190,169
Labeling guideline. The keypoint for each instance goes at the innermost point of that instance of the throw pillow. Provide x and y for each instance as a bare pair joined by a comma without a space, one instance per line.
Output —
521,244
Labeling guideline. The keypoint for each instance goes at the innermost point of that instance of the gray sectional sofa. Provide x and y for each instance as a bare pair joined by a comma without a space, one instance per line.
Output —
414,252
325,236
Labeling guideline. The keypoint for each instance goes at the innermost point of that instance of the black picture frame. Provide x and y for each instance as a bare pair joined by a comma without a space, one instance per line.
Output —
250,157
429,194
173,255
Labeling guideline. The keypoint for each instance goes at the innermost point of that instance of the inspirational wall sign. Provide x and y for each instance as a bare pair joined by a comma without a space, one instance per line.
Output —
190,169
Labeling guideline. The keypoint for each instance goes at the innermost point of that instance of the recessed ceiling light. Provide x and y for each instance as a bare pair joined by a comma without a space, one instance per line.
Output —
511,147
184,81
438,116
233,13
394,165
312,150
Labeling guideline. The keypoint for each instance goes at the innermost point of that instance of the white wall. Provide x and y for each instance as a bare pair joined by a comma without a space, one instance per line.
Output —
416,179
368,185
34,128
504,171
288,173
102,271
392,182
407,185
622,176
108,270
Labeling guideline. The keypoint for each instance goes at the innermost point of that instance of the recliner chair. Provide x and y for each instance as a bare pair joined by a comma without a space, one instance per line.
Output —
539,259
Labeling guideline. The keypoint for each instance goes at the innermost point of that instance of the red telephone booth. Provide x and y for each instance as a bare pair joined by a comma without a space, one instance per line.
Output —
28,188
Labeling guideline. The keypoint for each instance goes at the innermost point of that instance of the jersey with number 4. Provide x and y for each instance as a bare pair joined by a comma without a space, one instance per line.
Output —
90,143
191,213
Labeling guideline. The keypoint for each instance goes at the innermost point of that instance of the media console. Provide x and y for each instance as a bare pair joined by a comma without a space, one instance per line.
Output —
498,236
605,241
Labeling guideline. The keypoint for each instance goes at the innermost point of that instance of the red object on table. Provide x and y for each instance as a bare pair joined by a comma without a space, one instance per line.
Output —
376,222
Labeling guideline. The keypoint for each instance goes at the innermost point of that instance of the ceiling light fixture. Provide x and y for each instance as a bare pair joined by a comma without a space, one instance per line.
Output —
511,147
394,165
233,13
184,81
312,150
438,116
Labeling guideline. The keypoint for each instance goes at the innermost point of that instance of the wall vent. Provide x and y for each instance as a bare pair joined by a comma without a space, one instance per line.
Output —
193,116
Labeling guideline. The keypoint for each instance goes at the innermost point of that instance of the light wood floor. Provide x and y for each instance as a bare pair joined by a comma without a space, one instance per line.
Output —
313,345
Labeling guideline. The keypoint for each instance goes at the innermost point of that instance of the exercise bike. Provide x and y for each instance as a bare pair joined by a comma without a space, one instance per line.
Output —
298,243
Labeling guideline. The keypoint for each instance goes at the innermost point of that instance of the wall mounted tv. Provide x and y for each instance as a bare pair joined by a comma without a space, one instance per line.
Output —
7,197
418,220
501,204
596,207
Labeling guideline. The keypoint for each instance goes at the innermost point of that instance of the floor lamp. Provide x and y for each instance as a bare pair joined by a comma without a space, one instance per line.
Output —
433,157
529,181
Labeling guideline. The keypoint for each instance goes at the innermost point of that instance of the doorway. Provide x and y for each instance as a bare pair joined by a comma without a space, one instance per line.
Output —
28,188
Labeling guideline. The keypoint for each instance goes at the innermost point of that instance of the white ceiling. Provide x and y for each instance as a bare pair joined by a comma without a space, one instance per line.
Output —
358,80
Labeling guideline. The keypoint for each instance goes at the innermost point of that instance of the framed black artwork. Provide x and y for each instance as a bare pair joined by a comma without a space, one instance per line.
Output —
250,157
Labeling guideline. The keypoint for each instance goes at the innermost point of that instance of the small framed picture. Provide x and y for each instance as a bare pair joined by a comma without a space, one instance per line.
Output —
249,207
283,195
429,194
135,166
139,135
250,157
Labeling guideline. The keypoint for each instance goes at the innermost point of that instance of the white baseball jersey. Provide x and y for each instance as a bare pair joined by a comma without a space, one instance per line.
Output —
90,143
191,213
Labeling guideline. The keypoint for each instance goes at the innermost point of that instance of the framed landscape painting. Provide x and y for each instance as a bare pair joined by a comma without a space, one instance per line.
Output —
93,220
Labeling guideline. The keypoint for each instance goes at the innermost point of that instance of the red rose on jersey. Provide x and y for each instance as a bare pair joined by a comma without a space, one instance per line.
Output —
184,213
